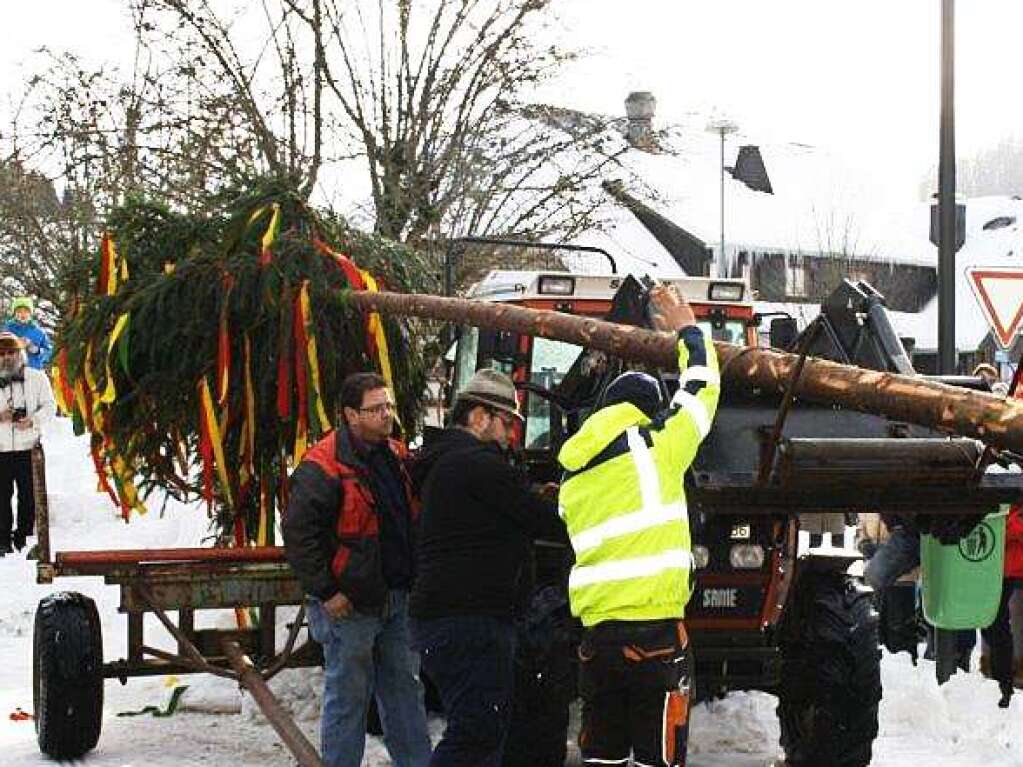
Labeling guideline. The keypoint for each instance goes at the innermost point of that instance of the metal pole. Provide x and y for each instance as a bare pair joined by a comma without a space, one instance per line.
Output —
721,251
449,268
296,742
946,196
945,641
42,504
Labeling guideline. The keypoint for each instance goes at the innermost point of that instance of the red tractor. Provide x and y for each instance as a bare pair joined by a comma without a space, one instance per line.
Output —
771,494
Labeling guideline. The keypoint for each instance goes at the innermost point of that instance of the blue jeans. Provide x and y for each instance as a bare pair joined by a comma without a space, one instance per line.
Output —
471,660
366,655
893,559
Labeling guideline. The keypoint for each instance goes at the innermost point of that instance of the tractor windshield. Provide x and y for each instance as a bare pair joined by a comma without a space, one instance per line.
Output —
465,357
550,361
471,355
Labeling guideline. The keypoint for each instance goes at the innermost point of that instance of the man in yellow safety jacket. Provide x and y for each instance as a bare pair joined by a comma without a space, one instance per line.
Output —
623,504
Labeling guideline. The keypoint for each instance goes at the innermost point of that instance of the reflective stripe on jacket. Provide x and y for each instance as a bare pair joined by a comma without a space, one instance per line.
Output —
623,500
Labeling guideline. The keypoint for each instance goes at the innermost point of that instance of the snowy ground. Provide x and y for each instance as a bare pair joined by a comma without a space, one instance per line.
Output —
958,724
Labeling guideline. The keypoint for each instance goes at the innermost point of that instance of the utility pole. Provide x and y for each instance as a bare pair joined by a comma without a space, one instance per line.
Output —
946,196
722,127
946,654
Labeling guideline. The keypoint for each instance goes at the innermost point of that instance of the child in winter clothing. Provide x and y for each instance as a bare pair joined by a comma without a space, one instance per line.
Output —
37,343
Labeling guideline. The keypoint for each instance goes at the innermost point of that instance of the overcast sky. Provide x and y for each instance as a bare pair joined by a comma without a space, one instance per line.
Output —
858,78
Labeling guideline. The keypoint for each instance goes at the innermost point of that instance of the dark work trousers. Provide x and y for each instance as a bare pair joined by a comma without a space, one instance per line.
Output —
898,626
634,680
999,636
16,469
471,661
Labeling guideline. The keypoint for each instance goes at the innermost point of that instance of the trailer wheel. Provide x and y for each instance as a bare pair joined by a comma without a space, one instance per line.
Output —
831,673
67,675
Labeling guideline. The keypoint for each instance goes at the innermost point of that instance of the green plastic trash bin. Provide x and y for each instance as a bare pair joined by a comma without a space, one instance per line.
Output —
962,583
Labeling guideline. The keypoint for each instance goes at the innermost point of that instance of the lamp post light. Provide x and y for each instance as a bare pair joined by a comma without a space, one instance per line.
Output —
722,127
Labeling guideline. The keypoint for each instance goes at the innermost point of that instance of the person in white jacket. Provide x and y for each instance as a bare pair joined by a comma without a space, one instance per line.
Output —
26,404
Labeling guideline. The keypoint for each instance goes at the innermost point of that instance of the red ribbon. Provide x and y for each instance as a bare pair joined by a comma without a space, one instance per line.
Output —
284,368
206,450
224,346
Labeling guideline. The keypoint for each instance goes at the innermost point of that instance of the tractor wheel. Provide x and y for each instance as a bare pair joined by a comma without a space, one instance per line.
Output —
67,675
831,674
538,732
545,684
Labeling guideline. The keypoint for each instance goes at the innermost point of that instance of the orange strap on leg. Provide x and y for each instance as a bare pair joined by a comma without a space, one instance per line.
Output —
675,733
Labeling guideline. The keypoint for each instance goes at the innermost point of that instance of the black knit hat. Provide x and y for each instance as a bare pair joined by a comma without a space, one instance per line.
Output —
640,389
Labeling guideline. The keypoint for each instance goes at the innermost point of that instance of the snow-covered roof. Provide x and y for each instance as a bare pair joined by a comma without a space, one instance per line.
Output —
994,238
821,204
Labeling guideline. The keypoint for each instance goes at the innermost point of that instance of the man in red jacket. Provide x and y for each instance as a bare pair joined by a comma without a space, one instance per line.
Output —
349,535
999,634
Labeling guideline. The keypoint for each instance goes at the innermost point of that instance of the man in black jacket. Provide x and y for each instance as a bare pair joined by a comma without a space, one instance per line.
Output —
348,535
479,519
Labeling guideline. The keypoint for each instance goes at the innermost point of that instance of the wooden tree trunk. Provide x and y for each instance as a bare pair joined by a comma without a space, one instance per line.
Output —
905,398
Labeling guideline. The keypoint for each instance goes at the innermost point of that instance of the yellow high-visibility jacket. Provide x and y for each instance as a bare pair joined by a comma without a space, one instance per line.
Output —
623,502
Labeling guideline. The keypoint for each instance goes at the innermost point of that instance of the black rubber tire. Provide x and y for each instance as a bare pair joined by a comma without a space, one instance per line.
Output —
538,733
545,684
831,673
67,675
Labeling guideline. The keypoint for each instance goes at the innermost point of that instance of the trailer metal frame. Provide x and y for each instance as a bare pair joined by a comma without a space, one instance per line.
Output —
186,580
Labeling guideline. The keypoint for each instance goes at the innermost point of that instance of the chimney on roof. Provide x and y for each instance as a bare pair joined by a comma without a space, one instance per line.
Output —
639,108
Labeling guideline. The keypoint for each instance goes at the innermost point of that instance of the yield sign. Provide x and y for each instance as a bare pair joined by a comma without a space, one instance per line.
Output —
999,291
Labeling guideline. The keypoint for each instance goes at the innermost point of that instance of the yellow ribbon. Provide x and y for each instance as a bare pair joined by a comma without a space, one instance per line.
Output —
313,356
268,235
261,534
376,327
90,382
58,391
110,393
127,484
209,413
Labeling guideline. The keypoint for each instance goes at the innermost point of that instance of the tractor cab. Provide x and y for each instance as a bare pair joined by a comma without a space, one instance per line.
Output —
556,382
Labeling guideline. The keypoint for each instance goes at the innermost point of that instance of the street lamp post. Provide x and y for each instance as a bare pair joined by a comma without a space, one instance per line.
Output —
722,127
946,196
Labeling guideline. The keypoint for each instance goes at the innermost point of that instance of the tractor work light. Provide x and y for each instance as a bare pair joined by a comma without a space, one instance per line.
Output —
725,291
746,556
556,286
701,557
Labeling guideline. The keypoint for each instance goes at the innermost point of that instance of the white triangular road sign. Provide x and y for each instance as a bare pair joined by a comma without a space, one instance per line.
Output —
999,291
